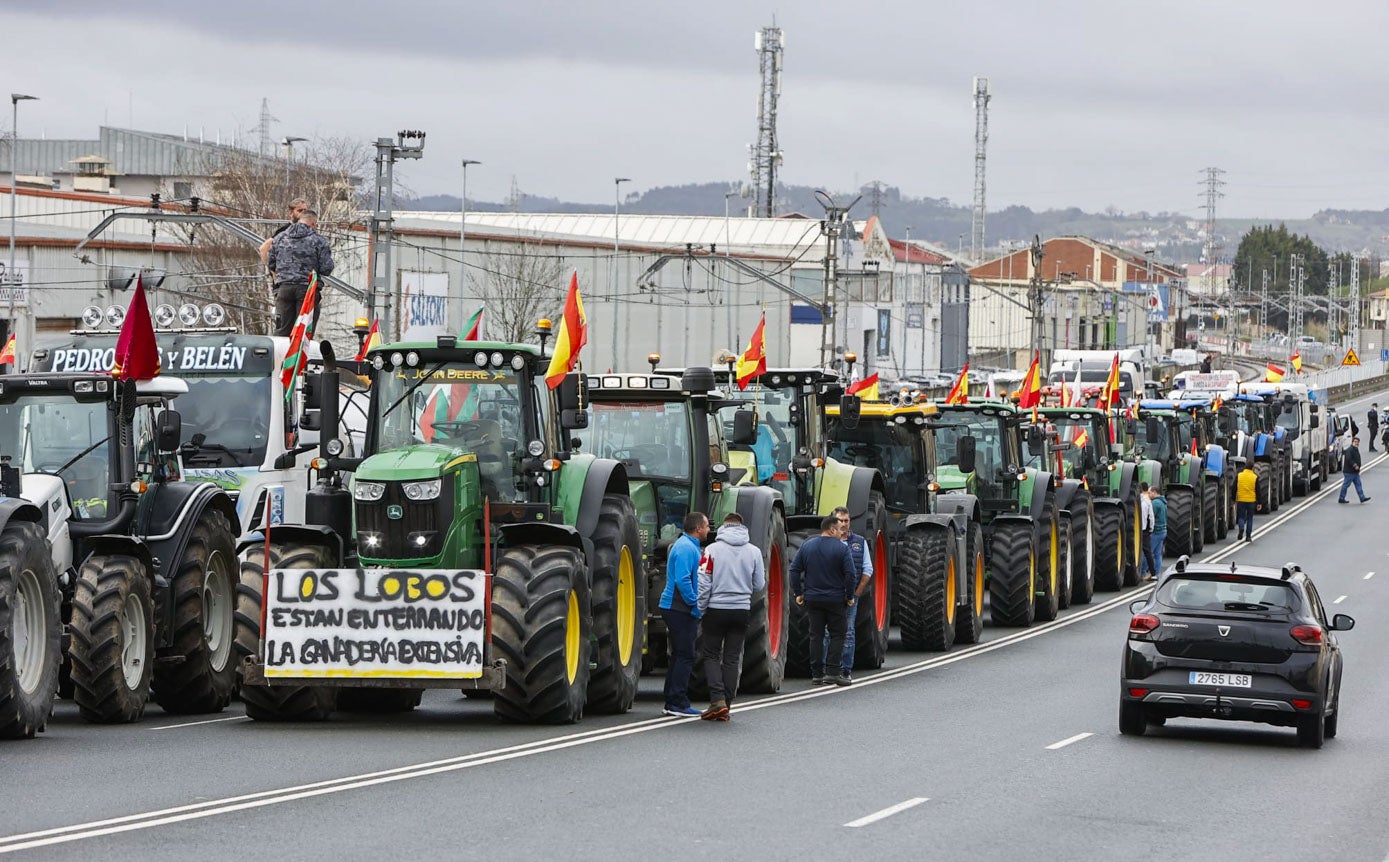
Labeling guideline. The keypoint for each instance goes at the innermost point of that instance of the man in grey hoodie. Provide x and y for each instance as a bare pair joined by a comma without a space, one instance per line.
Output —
294,256
731,571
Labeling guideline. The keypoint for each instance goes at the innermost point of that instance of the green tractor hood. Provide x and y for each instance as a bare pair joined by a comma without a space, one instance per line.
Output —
426,461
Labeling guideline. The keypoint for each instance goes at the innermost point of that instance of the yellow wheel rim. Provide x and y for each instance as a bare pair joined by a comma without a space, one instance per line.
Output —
571,638
950,592
1032,573
626,606
1138,533
978,585
1053,558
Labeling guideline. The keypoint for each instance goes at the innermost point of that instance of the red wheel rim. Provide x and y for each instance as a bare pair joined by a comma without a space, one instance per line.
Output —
774,593
879,580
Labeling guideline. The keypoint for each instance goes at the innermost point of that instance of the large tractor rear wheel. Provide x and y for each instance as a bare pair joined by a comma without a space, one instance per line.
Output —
1109,548
766,648
619,607
1048,601
797,620
1013,574
30,631
112,631
1263,486
277,702
873,619
203,623
969,618
1181,514
1210,507
541,624
1082,550
926,593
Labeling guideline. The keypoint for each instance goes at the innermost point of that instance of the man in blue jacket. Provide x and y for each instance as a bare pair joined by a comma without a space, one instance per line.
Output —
823,580
680,609
863,564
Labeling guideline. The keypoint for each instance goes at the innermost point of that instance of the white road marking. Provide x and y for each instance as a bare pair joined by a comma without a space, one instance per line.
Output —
1341,599
1368,575
1067,741
886,812
195,723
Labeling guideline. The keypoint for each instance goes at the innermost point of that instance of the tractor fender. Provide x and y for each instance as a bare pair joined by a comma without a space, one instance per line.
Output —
756,505
1128,480
1215,460
846,485
169,522
1040,490
862,484
605,476
962,505
1066,493
303,534
116,543
546,533
957,533
19,509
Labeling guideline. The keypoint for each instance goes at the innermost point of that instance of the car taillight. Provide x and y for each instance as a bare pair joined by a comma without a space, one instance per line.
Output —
1308,635
1141,624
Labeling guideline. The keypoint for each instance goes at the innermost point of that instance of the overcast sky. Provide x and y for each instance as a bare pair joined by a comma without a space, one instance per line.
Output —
1096,102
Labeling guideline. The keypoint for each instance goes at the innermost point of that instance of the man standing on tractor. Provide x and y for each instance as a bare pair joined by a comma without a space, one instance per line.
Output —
823,581
731,571
863,564
680,609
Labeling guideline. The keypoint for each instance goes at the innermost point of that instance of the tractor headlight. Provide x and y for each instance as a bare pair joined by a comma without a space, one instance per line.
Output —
421,491
368,492
334,447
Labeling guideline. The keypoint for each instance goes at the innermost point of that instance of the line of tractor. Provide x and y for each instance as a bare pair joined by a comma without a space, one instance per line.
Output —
437,516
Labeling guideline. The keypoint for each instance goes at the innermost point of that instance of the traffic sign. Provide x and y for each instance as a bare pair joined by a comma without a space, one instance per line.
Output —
1351,358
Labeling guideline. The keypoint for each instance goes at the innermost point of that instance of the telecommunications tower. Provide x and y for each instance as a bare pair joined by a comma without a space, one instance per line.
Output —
1213,184
981,141
765,155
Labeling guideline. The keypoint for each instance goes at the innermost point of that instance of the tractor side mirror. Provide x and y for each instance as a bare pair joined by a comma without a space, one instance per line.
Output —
964,454
1087,458
1314,421
1225,420
744,428
169,431
573,394
1036,442
850,408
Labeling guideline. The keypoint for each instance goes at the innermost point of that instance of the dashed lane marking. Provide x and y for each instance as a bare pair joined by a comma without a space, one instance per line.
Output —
1068,740
1368,575
1341,599
207,721
886,812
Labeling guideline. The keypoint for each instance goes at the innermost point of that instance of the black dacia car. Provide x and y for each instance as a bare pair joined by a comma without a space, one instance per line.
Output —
1236,642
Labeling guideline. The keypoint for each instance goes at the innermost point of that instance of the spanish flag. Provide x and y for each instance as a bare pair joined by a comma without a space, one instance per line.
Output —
754,360
1296,359
7,355
1109,398
573,335
867,388
1272,373
373,338
137,353
959,392
1081,438
1031,392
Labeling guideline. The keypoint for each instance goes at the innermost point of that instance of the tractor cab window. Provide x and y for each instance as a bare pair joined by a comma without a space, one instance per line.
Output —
460,406
892,449
993,452
778,412
1289,415
718,449
1076,432
226,420
652,438
1158,449
1185,433
53,434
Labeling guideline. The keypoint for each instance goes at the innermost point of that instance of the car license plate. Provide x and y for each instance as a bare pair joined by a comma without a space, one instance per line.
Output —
1228,680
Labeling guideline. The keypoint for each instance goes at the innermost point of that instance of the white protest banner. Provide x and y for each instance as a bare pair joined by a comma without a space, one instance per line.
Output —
424,305
374,623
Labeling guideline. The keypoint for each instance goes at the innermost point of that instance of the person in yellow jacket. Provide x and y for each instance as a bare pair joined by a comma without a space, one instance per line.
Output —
1246,499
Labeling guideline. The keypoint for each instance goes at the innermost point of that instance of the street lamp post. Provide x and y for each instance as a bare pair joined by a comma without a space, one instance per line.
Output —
10,280
727,245
463,235
289,143
617,206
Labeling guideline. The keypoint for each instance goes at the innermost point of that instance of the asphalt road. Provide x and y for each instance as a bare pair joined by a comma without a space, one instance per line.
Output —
1007,750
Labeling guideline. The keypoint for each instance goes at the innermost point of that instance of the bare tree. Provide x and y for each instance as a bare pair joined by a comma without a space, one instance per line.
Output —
326,172
517,285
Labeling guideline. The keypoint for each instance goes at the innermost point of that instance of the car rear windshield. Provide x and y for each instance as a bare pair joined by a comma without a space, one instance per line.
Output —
1226,594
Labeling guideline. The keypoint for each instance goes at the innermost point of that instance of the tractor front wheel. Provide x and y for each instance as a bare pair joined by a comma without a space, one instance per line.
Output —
30,631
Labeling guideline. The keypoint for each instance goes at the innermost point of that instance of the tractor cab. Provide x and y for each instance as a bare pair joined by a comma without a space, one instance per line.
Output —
891,439
998,457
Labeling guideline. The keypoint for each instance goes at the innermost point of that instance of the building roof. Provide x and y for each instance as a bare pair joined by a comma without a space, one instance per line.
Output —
129,152
791,236
1161,271
914,253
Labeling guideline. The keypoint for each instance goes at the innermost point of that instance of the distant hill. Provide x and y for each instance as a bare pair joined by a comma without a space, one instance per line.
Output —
1177,236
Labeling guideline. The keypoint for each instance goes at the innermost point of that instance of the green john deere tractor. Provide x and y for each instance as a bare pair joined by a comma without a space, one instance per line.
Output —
1163,434
667,434
1017,506
472,546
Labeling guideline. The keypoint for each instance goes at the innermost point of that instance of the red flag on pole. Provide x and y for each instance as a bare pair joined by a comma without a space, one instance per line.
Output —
1109,398
7,355
573,335
373,338
137,353
867,388
1031,393
959,393
754,360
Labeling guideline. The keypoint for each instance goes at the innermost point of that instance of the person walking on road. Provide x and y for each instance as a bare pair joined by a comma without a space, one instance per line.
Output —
680,609
731,571
1246,499
1159,504
823,581
863,564
1149,564
1372,420
295,256
1350,473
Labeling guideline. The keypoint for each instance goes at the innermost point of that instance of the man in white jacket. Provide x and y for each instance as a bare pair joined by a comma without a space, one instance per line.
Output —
730,572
